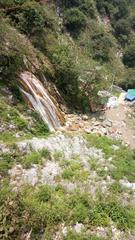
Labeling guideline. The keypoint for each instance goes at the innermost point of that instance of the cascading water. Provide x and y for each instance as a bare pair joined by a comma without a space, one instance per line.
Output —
41,101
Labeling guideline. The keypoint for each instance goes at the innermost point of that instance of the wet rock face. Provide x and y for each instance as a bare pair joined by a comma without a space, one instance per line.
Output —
39,98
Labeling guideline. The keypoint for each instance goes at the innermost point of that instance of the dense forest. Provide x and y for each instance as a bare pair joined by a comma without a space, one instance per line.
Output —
77,183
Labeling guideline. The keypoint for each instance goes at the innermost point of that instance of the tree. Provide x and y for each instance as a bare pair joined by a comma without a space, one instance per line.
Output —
66,77
133,23
75,20
88,8
122,27
122,30
129,56
29,19
101,45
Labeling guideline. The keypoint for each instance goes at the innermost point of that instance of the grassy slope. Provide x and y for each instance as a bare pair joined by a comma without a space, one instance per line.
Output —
43,209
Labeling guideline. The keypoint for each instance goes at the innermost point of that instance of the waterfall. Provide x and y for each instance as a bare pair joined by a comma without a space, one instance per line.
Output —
40,99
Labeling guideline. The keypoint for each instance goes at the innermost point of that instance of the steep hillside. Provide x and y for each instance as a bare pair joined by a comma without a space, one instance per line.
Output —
86,42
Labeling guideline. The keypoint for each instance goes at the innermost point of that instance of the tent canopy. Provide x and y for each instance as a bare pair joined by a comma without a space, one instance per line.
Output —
130,95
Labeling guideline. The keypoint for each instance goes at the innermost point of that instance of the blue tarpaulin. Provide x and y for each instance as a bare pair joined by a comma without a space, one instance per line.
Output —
130,95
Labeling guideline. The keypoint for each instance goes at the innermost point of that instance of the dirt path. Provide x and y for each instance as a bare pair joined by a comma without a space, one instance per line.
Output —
122,123
118,123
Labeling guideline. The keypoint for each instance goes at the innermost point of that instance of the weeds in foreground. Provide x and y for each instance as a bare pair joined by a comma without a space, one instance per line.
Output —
44,208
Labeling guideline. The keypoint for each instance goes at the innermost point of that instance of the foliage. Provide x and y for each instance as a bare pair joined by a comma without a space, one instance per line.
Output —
35,158
74,171
86,6
66,72
12,55
132,22
72,235
122,30
101,45
115,9
129,81
75,20
42,209
129,56
10,3
29,18
123,159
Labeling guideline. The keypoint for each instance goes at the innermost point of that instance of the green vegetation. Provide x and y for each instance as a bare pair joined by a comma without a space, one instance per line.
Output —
129,56
79,45
35,158
74,171
123,158
72,235
16,119
69,63
44,208
75,20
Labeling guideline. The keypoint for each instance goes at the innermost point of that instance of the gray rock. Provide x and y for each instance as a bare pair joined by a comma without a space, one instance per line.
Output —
4,149
85,117
127,184
78,227
49,172
115,147
107,123
68,145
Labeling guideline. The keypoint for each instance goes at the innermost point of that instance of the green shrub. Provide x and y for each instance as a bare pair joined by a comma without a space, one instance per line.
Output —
132,22
115,9
74,236
123,217
86,6
74,20
101,45
66,76
122,30
39,127
29,18
32,158
129,81
12,55
129,56
35,158
44,193
11,3
75,172
7,160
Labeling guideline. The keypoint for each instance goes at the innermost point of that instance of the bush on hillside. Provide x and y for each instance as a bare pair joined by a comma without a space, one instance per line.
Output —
74,20
132,21
71,3
10,3
115,9
29,18
122,27
86,6
122,30
93,82
17,54
66,72
129,56
101,45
